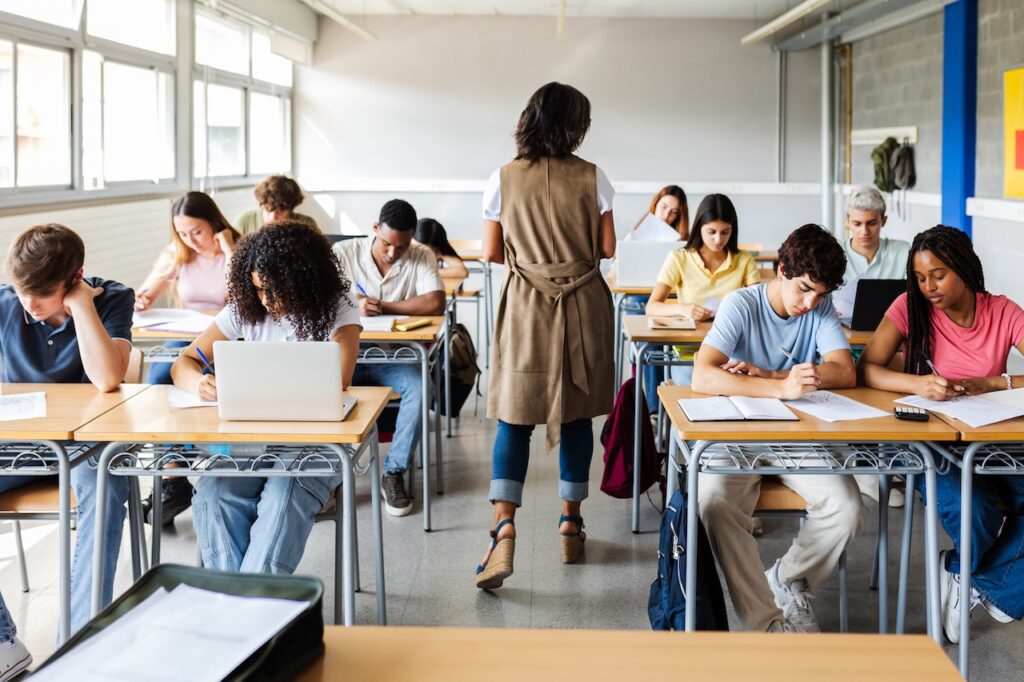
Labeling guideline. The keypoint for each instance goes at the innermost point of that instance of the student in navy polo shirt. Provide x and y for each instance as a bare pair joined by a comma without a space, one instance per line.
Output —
57,326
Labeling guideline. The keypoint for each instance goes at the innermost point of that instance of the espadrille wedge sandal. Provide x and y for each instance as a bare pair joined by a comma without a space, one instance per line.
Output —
572,541
492,574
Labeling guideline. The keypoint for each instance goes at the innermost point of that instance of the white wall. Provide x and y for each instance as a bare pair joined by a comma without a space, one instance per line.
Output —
438,97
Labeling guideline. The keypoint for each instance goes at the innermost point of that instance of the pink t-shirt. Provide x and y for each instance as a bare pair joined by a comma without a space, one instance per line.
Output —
201,283
980,351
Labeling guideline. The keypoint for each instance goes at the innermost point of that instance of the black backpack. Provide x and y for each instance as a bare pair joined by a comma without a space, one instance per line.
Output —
464,370
667,604
904,173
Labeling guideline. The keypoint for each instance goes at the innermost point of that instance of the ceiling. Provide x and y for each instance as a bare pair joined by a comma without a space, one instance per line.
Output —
703,9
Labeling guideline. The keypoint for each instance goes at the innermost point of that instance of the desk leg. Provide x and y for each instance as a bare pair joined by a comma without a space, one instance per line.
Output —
931,549
378,530
618,347
884,483
425,434
670,466
908,529
447,388
64,541
347,555
438,453
157,517
100,513
639,388
966,479
690,555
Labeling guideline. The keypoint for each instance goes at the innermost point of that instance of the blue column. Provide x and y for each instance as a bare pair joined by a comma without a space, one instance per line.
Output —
959,110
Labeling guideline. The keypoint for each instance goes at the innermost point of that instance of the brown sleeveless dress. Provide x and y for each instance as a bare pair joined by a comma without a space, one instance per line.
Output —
551,360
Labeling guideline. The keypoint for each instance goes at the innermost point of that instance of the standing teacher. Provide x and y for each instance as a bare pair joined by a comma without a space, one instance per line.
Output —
548,219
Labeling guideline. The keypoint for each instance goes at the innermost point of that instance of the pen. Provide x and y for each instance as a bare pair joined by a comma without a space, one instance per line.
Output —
361,290
934,371
207,367
787,354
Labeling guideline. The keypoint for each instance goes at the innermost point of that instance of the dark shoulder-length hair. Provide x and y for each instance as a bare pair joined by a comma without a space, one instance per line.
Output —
300,274
953,247
432,233
553,124
715,207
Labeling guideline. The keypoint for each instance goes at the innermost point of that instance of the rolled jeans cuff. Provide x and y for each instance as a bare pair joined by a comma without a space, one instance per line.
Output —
573,491
506,490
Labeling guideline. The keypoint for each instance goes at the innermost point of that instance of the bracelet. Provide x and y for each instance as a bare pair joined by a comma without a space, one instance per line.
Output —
1009,381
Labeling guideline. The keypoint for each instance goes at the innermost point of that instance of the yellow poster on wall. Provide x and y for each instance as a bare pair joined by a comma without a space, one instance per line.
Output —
1013,94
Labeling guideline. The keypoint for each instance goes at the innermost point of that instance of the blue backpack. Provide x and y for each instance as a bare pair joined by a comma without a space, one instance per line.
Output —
667,604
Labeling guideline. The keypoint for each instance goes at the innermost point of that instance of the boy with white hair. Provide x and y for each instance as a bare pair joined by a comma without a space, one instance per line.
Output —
869,256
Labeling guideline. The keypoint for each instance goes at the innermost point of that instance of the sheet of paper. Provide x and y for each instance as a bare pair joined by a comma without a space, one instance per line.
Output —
217,631
653,229
196,324
709,409
763,408
380,323
975,411
169,319
22,406
712,303
180,399
1014,398
670,322
844,298
832,407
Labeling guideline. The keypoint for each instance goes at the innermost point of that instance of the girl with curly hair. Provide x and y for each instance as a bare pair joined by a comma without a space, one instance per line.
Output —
285,284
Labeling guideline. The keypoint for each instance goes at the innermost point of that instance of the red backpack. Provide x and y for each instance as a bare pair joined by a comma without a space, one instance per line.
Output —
617,439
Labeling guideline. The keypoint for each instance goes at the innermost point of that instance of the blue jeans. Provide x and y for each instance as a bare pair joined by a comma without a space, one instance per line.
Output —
997,536
405,380
652,375
257,525
160,372
83,479
511,457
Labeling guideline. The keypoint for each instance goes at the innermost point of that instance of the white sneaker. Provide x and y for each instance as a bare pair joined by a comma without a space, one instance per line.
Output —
794,600
868,485
14,658
997,613
780,626
950,600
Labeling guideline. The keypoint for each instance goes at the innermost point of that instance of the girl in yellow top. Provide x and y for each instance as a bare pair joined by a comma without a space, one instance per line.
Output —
710,266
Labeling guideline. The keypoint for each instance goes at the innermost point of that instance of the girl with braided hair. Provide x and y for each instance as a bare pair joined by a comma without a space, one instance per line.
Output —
955,338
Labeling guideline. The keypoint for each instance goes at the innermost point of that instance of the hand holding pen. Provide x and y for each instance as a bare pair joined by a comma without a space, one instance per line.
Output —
802,378
368,307
936,387
207,386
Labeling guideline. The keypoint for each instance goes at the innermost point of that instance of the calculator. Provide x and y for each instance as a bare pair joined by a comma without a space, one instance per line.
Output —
912,414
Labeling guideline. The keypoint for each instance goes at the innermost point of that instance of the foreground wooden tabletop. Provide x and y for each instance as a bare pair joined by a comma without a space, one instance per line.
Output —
372,654
68,407
148,418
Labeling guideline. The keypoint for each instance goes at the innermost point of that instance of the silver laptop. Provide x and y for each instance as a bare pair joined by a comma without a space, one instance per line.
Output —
280,381
640,262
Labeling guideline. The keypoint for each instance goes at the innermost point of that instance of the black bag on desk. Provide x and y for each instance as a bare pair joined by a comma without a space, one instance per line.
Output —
281,658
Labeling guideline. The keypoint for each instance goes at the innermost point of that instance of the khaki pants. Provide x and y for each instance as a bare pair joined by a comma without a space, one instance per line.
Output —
726,503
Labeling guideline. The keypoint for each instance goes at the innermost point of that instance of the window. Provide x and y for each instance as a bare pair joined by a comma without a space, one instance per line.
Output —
222,45
267,66
148,24
219,130
56,12
127,123
42,117
269,134
6,113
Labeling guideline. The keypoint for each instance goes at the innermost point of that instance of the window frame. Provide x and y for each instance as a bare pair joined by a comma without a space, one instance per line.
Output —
248,85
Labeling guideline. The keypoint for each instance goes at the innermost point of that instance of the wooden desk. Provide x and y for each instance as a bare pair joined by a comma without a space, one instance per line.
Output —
815,446
427,333
149,419
147,334
637,331
612,280
468,249
766,257
857,337
508,655
68,407
452,285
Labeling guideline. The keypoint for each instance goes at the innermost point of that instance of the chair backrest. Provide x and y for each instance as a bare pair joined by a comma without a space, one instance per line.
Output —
133,375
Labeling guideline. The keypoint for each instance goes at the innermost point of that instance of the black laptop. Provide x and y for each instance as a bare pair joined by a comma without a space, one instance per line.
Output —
874,296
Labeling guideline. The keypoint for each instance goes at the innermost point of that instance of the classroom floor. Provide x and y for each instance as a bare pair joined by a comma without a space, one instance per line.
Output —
430,575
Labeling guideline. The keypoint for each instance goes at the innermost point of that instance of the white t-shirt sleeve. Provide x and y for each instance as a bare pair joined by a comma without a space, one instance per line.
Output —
605,193
492,197
427,277
228,323
348,313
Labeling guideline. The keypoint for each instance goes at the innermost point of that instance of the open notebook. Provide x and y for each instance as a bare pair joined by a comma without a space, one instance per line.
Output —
735,409
670,322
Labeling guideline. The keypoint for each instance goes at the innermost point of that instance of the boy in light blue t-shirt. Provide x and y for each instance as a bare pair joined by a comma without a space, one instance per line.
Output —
745,354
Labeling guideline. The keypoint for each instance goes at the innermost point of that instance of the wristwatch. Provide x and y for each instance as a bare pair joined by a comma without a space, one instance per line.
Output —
1009,381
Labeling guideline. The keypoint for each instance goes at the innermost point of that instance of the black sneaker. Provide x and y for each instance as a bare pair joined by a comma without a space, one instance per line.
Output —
396,500
176,495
